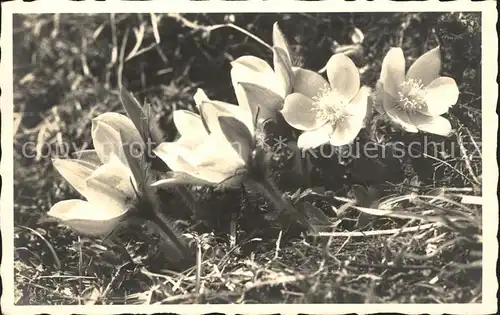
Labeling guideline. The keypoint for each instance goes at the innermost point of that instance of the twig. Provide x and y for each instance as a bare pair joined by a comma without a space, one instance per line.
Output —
119,71
141,51
57,262
447,164
83,58
236,27
379,232
466,158
154,22
57,22
277,281
447,200
114,51
278,242
232,231
208,29
343,244
139,37
474,142
198,267
74,298
437,251
387,266
67,277
472,200
110,283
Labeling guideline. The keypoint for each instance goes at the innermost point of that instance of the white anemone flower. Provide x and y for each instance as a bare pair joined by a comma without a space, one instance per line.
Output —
102,176
219,148
255,70
331,111
272,85
203,154
417,100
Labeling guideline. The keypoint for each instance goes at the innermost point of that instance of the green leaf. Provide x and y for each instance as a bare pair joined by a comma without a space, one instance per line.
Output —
141,116
136,160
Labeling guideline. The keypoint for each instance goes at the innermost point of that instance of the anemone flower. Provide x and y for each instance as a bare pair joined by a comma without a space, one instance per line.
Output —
219,148
255,70
202,154
330,111
417,100
273,85
102,176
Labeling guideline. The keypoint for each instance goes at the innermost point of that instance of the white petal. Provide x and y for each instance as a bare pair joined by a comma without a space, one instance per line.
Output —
217,154
308,82
120,123
392,73
188,123
346,131
242,99
89,156
436,125
212,110
167,152
427,67
242,73
179,178
172,154
254,70
300,112
212,176
107,141
279,39
75,172
86,218
69,209
397,115
110,186
199,97
252,63
283,70
314,138
358,105
79,209
191,142
343,75
214,165
440,95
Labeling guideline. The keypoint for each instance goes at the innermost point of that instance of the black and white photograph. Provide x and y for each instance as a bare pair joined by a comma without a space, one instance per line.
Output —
249,157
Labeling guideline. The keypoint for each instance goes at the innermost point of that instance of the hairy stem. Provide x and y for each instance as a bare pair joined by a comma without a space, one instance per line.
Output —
268,188
188,198
169,235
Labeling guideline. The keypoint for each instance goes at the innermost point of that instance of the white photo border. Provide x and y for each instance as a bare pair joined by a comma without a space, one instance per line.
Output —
489,128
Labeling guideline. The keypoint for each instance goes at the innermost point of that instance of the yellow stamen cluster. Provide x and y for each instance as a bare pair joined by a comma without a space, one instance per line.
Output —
330,105
411,96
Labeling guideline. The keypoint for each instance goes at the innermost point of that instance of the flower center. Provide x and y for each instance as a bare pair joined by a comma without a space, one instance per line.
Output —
411,96
330,105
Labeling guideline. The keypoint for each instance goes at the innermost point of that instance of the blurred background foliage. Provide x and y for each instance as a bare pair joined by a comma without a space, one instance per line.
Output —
68,67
